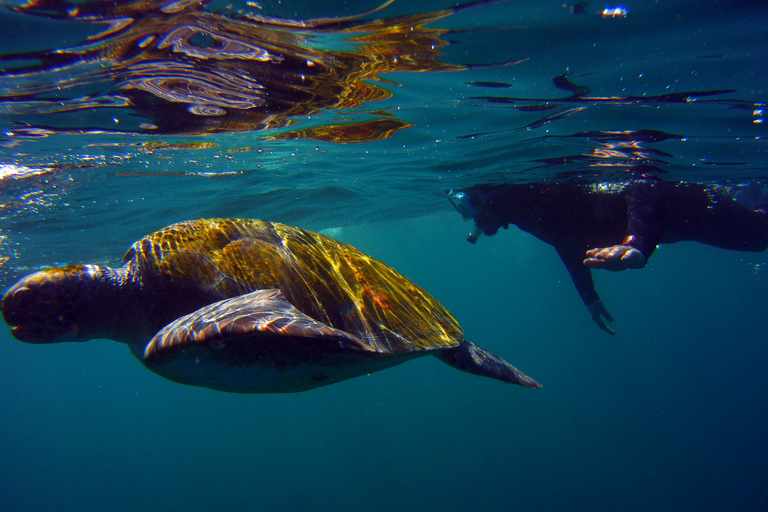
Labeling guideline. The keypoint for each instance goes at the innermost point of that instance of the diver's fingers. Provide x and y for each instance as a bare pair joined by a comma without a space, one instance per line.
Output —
594,263
600,257
606,328
606,314
592,253
607,253
597,310
617,257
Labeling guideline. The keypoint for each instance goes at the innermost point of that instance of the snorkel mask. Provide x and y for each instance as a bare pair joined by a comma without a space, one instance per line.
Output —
463,204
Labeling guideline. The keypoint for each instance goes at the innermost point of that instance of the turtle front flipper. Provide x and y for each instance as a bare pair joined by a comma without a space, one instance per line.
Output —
470,358
258,343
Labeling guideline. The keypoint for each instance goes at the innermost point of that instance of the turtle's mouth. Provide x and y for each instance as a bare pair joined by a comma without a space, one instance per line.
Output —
33,334
40,335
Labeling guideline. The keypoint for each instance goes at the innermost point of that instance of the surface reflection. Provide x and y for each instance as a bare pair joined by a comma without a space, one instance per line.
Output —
177,68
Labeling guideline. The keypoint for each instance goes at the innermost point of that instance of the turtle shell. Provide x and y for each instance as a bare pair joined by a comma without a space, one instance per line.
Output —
323,278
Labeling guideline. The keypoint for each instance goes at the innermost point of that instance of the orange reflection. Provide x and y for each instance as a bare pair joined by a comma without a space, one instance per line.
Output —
365,131
179,69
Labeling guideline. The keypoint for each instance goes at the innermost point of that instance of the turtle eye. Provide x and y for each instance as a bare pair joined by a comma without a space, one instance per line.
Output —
65,319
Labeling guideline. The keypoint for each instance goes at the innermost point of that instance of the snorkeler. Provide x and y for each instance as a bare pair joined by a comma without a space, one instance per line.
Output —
617,226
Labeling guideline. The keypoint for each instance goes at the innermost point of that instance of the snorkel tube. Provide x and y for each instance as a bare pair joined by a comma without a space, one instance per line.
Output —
463,204
474,234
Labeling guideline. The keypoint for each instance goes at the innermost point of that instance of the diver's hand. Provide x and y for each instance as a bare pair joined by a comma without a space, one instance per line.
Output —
597,310
618,257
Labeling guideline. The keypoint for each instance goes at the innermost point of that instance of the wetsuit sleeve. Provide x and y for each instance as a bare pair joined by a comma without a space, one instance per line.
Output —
580,274
644,217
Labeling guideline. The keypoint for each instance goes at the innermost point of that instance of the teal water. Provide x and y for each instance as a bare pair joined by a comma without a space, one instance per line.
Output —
669,414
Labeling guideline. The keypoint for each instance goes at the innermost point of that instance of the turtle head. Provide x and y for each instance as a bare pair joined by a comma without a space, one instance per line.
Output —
61,304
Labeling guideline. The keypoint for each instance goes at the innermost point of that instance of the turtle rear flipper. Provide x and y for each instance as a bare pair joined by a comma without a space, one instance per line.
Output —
470,358
257,343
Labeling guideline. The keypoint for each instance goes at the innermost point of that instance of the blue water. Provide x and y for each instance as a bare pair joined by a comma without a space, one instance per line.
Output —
670,414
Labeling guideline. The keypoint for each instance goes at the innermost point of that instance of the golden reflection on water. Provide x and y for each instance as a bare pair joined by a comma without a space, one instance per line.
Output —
185,70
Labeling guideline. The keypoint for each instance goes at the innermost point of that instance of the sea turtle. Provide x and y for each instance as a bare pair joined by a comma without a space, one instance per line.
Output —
248,306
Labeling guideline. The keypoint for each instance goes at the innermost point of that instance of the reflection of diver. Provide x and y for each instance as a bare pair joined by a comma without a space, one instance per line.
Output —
618,225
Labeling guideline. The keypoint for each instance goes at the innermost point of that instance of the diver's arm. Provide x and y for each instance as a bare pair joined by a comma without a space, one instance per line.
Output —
582,279
644,218
644,231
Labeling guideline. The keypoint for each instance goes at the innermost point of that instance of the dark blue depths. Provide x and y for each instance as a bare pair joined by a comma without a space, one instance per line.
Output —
669,413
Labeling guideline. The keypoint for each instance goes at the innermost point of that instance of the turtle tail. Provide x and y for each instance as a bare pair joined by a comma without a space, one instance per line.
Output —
470,358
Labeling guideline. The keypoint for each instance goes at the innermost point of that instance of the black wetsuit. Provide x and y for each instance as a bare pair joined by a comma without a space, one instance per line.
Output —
575,218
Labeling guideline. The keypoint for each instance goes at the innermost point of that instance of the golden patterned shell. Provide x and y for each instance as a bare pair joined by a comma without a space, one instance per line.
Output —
328,280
